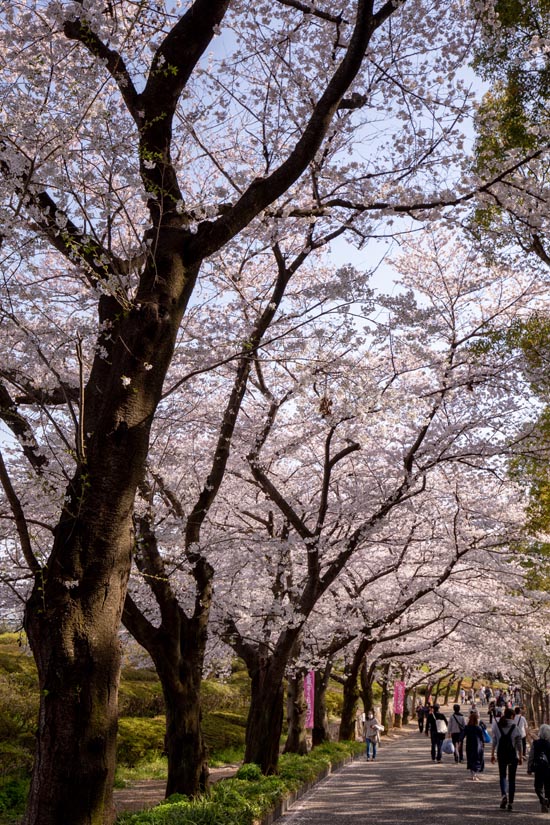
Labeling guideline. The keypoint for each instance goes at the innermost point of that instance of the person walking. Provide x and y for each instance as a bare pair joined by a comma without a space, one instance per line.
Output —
521,722
457,723
539,765
372,734
507,752
475,754
420,716
437,730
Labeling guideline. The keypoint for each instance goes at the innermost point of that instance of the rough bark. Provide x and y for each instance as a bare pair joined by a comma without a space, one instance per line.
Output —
265,717
385,701
321,731
179,660
351,690
184,741
73,614
367,692
349,705
177,648
296,716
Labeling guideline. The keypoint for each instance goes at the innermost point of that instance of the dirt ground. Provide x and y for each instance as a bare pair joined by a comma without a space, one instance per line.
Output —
148,792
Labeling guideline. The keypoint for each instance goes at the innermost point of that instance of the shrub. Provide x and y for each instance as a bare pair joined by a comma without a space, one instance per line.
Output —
13,796
140,697
140,739
223,730
250,772
247,797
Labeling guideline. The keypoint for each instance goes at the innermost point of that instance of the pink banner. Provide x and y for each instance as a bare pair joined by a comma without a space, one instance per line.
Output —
309,695
398,697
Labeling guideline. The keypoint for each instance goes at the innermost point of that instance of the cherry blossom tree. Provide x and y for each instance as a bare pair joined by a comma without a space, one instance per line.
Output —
137,142
390,419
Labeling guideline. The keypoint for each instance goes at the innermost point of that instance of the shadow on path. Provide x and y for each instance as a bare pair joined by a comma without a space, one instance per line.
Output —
404,787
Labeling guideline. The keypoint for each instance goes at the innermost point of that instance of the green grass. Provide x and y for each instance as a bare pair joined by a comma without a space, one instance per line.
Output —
141,728
247,797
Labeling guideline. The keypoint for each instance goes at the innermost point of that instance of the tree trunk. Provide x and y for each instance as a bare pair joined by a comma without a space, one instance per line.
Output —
321,732
179,667
367,691
349,706
411,710
351,691
385,702
296,716
406,708
177,647
78,658
265,716
184,742
72,616
448,690
457,694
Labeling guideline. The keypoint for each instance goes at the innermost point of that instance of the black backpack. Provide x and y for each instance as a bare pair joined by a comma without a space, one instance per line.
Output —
540,758
505,748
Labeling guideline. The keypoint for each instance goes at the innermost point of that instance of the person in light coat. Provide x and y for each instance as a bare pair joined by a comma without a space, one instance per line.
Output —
372,734
521,722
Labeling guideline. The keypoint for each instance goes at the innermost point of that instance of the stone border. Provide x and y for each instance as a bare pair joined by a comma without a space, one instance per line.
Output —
286,803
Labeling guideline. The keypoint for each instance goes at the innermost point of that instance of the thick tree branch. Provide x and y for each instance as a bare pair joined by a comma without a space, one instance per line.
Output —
137,624
20,520
98,264
22,431
80,30
314,12
264,191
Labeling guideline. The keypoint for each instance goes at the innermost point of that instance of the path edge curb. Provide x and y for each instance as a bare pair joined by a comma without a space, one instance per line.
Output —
283,806
286,803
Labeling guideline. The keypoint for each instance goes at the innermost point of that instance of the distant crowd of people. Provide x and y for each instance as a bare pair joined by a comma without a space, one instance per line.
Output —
467,737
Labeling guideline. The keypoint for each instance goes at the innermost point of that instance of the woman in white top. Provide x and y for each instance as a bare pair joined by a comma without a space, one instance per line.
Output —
372,734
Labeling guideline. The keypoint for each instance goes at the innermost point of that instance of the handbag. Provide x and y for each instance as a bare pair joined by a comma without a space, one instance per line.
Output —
486,736
447,746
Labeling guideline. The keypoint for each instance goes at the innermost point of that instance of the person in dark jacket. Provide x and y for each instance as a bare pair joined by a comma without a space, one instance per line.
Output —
506,738
539,764
420,716
473,736
457,723
437,729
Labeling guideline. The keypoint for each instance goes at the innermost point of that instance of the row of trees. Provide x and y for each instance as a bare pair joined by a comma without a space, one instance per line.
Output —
283,464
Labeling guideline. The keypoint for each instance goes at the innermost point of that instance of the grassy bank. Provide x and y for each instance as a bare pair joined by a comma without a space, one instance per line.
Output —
246,798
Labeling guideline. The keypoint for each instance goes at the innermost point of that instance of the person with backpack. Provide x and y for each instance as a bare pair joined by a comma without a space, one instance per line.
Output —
539,764
475,755
457,723
437,729
508,753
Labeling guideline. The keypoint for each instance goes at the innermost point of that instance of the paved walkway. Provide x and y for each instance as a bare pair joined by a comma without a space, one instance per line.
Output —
404,787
